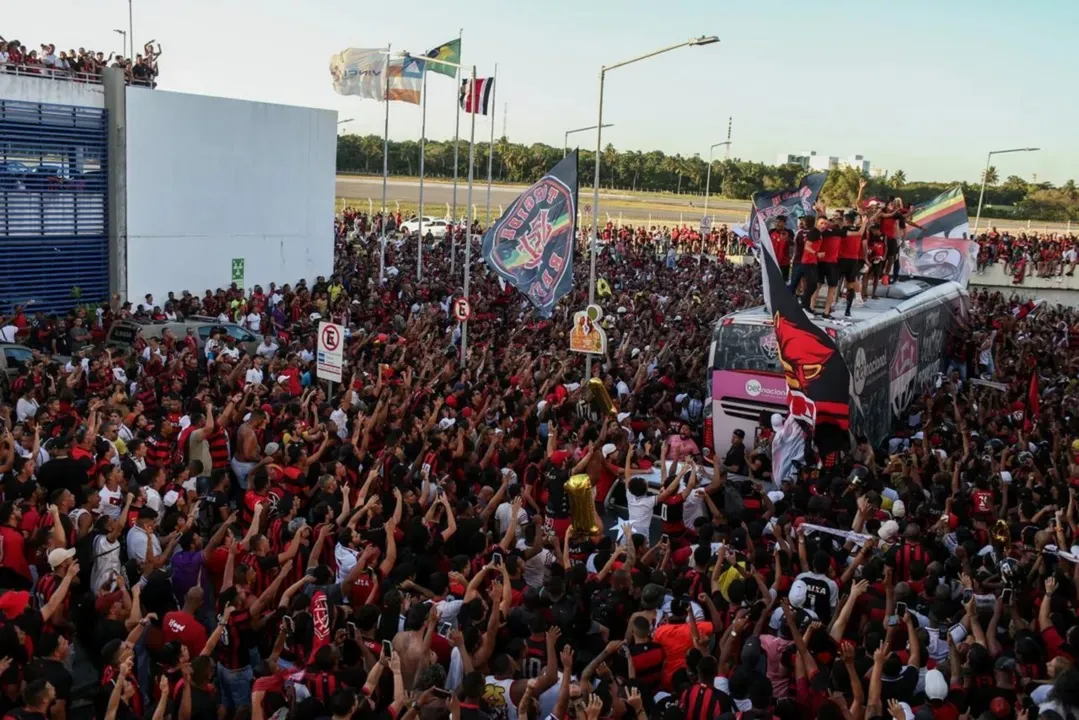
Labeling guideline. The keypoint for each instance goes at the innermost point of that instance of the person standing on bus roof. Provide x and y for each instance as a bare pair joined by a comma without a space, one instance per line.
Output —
811,254
781,242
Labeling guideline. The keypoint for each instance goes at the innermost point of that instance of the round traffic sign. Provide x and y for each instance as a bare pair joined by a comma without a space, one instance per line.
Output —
330,337
462,311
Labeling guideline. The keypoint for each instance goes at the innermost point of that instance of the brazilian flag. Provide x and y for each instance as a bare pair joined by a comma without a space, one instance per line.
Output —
450,52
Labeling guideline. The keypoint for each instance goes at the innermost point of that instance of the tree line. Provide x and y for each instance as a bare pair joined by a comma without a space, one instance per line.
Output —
655,171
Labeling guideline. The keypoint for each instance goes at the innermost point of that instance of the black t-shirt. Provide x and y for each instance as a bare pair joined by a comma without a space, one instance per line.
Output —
901,687
736,459
110,630
63,473
57,675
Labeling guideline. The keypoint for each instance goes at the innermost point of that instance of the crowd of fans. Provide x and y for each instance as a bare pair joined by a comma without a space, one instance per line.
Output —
218,534
82,65
1046,255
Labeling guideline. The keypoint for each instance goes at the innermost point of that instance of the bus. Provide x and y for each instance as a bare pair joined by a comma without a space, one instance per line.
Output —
893,345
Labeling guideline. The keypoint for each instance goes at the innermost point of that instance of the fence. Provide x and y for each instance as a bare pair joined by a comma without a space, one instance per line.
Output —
53,205
47,73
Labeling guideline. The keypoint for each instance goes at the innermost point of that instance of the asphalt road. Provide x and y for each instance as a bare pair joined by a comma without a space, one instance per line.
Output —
665,208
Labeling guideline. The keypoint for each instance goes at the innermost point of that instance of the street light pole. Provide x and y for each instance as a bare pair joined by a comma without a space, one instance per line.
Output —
708,181
565,139
985,176
702,40
123,34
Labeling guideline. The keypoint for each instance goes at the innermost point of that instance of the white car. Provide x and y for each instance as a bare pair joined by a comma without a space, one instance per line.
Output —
436,226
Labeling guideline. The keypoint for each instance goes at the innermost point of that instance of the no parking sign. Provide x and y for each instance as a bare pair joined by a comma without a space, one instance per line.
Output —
461,309
331,340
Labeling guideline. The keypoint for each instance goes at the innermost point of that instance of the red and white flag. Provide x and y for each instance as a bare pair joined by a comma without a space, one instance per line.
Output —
476,97
1027,308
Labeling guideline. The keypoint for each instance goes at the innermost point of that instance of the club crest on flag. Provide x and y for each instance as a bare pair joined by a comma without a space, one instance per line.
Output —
531,245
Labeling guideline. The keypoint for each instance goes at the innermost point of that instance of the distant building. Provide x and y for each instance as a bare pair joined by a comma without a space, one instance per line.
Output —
858,162
823,162
878,173
810,160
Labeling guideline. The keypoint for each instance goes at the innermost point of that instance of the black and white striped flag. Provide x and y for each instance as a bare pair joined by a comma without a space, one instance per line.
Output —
476,98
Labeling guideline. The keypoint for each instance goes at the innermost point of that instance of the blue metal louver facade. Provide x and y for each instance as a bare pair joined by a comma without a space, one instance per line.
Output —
54,246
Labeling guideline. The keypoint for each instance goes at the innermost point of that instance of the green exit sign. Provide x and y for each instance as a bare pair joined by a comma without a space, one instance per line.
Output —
238,271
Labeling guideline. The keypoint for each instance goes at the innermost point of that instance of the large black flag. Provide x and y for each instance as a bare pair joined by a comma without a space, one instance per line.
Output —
531,245
817,377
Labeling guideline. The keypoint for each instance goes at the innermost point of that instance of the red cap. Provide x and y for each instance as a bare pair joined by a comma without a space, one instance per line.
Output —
266,408
559,458
467,412
452,401
382,337
12,604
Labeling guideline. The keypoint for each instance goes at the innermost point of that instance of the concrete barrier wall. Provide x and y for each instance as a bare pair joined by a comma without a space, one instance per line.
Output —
213,180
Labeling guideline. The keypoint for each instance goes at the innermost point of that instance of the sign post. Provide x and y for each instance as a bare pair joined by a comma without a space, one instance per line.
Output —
238,271
706,224
331,341
461,309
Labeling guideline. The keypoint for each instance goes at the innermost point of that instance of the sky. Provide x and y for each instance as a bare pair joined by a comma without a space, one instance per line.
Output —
924,86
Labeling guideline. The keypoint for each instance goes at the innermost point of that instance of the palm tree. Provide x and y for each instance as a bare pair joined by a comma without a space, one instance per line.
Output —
899,178
990,176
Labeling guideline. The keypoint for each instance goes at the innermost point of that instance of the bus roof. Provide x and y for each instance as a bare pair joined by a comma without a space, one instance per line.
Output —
901,296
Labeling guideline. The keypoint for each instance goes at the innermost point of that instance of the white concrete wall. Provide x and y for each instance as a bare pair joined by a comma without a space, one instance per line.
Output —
213,179
1065,292
56,92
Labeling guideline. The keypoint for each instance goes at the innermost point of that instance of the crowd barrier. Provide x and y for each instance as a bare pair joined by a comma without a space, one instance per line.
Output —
40,71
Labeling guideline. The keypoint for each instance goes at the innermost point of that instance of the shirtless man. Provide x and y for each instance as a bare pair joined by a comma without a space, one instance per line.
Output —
248,452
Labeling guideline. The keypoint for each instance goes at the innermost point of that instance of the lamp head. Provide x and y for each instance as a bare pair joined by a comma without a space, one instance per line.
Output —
704,40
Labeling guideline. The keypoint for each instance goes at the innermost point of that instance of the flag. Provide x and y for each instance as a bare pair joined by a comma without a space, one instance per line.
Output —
531,245
817,377
940,248
1027,308
943,216
475,98
788,449
320,621
791,203
360,72
450,52
1032,398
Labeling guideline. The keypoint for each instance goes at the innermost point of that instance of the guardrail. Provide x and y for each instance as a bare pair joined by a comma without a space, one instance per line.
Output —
48,73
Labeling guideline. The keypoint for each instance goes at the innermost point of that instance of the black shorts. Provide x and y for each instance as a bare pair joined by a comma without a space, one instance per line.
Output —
893,247
849,269
876,269
829,273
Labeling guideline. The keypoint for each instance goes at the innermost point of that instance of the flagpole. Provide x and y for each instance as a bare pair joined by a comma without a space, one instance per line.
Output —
456,138
423,140
385,168
491,146
468,229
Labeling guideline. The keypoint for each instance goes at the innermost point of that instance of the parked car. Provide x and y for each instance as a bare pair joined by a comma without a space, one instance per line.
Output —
122,333
437,226
13,175
14,357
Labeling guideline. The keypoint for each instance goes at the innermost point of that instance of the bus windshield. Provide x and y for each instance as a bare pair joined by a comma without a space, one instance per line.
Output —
747,347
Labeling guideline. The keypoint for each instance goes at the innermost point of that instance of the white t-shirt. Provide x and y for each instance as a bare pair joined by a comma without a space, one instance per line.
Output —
110,502
253,377
640,512
346,560
106,561
536,566
503,515
8,333
25,408
266,351
254,321
232,352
